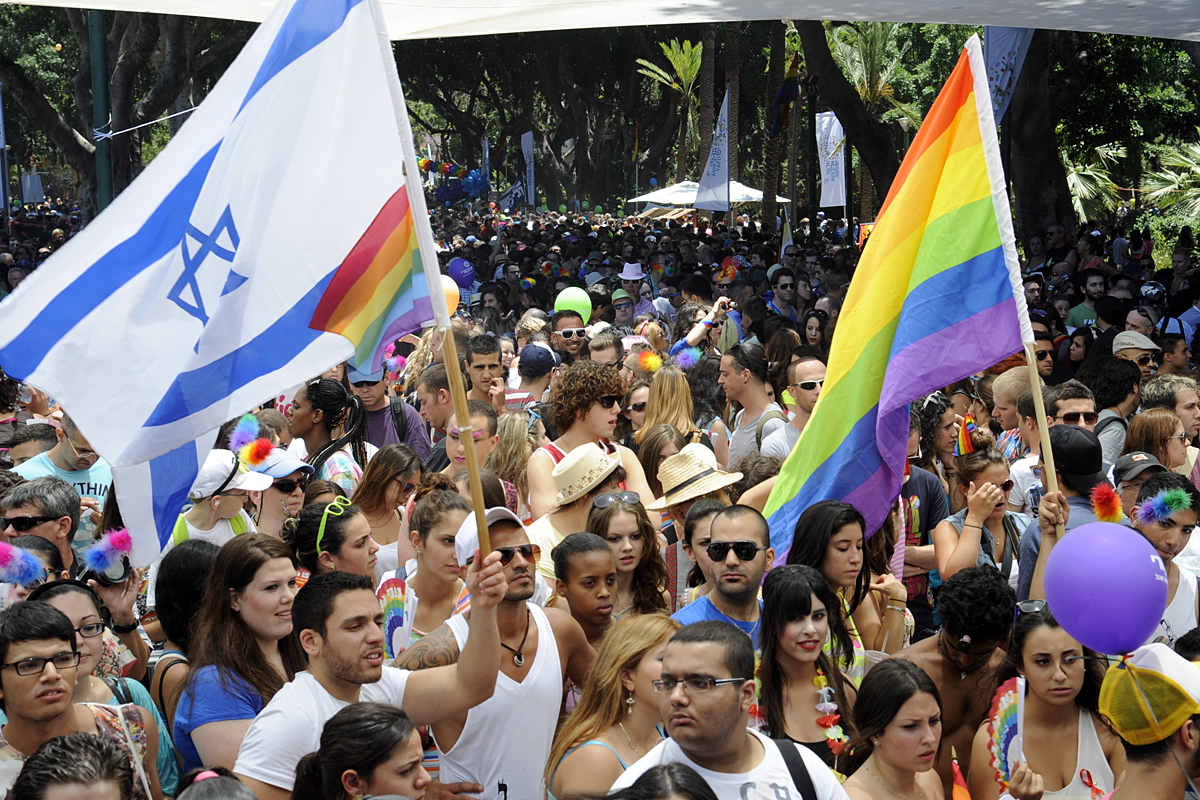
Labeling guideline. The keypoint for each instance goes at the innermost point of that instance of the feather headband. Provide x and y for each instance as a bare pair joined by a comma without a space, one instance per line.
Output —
1106,503
250,448
107,551
1160,507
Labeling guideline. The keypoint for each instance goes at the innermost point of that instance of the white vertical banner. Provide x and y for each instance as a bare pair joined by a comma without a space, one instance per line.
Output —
527,149
485,163
831,149
1004,52
713,193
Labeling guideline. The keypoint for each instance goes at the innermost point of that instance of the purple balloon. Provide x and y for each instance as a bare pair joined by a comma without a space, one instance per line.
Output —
1107,587
462,271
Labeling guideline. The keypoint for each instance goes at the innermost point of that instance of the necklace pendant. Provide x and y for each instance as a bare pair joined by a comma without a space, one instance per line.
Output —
519,660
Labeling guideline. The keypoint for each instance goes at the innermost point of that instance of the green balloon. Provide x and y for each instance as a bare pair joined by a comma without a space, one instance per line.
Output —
598,210
584,206
574,299
562,207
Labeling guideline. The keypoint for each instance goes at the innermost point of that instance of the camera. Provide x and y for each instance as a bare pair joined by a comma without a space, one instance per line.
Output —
116,574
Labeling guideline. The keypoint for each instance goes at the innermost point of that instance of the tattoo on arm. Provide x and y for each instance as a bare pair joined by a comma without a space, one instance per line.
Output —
437,649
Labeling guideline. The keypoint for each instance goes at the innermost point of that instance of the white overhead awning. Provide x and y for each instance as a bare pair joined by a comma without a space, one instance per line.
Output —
427,19
684,194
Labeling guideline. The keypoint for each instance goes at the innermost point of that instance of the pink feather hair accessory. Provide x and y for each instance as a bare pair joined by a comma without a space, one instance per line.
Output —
107,551
19,566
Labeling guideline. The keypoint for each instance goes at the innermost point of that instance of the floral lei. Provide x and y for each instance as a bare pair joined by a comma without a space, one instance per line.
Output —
828,708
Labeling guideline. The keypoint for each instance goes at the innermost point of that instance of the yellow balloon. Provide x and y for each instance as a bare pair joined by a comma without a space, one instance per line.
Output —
452,292
58,47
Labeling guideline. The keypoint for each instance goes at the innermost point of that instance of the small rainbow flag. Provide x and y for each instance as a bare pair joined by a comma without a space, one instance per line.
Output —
963,445
934,299
959,789
379,293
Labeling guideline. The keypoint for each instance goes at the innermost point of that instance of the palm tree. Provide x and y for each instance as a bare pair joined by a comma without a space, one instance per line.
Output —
685,62
1093,192
1177,182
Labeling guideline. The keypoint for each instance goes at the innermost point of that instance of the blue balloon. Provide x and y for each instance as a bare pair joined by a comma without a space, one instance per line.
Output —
462,272
654,181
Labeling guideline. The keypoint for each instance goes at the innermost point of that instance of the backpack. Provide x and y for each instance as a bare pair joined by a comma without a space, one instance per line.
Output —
399,419
763,419
796,767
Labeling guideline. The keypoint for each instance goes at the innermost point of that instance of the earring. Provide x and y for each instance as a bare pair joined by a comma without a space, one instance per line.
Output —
629,701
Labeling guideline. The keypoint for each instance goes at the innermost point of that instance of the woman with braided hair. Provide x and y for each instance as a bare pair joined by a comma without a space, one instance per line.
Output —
319,408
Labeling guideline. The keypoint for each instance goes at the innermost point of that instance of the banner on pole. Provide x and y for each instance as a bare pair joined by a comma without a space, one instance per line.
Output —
527,149
713,193
1004,51
831,148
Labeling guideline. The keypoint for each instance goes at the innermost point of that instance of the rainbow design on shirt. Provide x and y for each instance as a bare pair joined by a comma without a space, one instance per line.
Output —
380,292
936,297
391,599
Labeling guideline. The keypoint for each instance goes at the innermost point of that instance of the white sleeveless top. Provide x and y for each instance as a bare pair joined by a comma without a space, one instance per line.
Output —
1180,615
507,738
1090,765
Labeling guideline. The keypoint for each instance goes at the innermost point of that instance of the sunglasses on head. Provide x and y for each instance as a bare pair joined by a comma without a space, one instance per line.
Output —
289,485
529,552
608,498
361,384
610,400
23,524
745,551
573,333
1028,607
1073,417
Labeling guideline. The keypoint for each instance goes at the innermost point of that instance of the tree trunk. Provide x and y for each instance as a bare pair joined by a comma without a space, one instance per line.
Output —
1039,180
708,68
873,138
774,147
733,75
1193,51
681,154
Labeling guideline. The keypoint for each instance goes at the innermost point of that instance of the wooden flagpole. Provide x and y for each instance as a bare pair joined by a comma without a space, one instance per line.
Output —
458,394
1049,478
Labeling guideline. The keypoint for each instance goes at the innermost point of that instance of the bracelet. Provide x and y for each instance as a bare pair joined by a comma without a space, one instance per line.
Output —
708,323
130,628
965,525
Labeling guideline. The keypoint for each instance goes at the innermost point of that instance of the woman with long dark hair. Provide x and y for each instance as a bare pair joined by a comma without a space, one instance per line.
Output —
182,576
708,404
245,649
388,484
332,537
320,408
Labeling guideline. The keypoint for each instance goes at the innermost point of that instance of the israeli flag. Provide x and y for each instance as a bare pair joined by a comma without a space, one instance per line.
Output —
514,198
188,300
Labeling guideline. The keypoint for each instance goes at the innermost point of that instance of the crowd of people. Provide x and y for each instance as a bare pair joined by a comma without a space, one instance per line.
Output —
323,623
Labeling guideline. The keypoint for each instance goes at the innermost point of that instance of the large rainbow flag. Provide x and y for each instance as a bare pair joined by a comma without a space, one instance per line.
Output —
936,297
379,293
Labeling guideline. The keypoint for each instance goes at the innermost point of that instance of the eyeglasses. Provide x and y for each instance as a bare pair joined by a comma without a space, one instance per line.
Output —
529,552
610,400
1183,437
791,255
533,419
23,524
36,666
1006,486
1042,355
784,287
289,485
694,685
607,499
409,487
89,631
573,333
335,509
1028,607
638,407
80,455
745,551
1073,417
361,384
808,386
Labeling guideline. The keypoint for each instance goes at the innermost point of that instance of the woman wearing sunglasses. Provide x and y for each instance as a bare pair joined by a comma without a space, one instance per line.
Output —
284,498
584,404
1068,752
383,496
90,618
620,520
984,532
633,414
1159,432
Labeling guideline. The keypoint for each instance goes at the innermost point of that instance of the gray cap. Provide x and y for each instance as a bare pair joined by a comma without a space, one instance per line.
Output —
1132,340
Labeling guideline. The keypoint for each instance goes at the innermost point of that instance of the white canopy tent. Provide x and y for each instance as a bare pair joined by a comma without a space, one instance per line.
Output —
425,19
684,194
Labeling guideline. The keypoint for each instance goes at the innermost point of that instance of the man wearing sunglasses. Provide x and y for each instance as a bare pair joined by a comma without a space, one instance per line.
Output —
740,553
505,740
569,336
1138,348
806,376
44,507
390,420
73,460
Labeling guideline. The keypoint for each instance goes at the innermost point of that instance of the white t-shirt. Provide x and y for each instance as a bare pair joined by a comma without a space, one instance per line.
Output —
1023,480
780,443
290,726
770,780
743,442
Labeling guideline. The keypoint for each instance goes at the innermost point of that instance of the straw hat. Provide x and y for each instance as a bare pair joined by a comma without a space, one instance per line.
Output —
689,474
581,470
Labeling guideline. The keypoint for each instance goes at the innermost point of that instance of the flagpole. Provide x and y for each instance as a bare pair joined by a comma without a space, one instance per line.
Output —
441,312
1049,478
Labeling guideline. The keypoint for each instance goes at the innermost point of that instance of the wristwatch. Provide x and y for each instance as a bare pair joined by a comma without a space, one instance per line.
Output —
130,628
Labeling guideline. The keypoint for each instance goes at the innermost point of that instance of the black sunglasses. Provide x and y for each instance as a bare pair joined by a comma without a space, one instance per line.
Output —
1073,417
1042,355
610,400
745,551
638,407
361,384
289,485
23,524
529,552
608,498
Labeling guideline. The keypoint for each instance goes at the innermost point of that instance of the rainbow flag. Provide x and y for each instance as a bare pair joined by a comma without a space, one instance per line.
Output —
959,790
963,444
379,293
779,112
934,299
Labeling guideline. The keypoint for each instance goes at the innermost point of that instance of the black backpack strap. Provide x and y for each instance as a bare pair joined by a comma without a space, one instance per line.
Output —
400,419
796,768
120,690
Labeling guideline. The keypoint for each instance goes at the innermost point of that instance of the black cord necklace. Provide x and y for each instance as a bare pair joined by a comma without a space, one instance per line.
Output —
518,656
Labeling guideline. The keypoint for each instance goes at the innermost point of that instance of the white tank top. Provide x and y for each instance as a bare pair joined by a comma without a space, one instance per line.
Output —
1180,615
1091,766
506,739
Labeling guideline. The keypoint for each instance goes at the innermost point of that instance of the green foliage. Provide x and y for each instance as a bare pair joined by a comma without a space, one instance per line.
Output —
930,52
1176,185
870,56
1093,192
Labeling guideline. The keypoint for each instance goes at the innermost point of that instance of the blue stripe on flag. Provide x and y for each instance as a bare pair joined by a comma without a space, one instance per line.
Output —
171,477
308,23
267,352
160,234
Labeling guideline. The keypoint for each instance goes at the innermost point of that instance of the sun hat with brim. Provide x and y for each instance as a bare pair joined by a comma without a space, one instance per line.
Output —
223,471
1149,694
466,541
582,470
690,474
